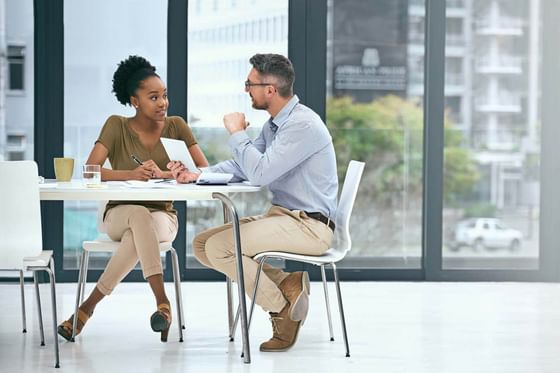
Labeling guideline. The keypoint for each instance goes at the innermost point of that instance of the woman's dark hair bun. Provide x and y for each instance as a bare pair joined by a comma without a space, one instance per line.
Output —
129,76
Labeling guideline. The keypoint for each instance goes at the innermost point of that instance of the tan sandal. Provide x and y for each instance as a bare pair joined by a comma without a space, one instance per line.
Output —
161,320
65,329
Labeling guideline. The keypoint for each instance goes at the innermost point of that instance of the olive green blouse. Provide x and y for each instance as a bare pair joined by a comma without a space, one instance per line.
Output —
121,141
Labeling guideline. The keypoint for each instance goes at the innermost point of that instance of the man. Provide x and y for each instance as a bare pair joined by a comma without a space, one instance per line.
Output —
294,156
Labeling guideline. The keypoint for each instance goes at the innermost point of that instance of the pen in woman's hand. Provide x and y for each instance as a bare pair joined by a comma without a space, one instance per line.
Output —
135,159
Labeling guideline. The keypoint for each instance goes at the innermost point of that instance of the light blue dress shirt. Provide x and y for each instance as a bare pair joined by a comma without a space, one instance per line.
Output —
293,155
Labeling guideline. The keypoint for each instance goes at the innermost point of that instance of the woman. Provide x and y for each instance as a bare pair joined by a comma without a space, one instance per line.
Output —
135,152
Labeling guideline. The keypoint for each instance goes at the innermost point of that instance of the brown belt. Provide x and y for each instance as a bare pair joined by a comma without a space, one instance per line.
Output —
322,218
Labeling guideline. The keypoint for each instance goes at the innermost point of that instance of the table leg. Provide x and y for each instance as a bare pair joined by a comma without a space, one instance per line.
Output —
227,203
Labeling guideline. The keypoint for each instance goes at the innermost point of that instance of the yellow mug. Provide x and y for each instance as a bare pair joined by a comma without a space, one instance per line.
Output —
63,169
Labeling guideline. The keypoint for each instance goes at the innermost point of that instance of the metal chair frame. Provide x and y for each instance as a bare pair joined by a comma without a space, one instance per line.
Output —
331,257
106,245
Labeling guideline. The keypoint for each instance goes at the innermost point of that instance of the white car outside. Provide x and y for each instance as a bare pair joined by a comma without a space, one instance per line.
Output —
480,233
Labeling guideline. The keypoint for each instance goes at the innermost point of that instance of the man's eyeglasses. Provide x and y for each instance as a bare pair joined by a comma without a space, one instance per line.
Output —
248,84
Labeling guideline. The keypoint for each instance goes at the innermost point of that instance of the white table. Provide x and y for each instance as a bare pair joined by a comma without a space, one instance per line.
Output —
52,191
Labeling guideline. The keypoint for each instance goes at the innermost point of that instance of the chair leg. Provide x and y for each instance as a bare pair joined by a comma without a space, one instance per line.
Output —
81,279
254,298
327,304
23,317
50,271
40,313
178,297
230,308
180,293
257,279
341,309
86,266
236,320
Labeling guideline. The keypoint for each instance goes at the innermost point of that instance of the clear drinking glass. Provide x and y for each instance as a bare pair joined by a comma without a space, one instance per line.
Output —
91,175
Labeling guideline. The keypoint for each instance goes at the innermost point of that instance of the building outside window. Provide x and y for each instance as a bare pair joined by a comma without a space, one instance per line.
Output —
16,63
499,99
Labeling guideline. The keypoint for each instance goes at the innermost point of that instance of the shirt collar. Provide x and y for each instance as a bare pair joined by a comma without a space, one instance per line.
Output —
283,114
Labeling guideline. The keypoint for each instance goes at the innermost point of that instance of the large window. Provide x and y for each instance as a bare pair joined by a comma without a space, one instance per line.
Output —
222,36
375,72
492,135
97,36
480,150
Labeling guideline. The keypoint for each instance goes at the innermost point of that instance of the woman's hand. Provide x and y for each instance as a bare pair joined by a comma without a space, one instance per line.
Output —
176,168
181,174
142,172
157,173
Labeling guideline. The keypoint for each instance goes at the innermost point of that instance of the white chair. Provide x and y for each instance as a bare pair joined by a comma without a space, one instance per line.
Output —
21,243
104,244
342,245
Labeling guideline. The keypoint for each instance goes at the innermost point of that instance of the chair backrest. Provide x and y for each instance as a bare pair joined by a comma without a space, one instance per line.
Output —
20,213
343,242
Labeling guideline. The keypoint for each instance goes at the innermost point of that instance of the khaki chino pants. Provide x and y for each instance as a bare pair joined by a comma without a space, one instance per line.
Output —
139,231
278,230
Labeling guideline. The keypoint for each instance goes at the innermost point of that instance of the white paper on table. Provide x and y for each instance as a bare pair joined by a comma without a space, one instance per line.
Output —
152,183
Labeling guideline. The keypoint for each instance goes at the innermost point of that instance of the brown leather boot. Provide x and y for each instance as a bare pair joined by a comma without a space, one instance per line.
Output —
284,332
295,289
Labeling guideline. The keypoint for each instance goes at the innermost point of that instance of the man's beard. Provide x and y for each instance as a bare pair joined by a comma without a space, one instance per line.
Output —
263,106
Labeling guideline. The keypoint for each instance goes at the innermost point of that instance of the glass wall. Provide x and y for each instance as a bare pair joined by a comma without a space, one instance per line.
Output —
375,73
96,38
222,36
492,135
16,80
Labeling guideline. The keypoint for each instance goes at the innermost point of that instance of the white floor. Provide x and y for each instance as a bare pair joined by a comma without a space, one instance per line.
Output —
393,327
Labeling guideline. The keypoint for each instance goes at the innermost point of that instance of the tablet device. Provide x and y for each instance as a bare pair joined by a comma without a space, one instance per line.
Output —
177,151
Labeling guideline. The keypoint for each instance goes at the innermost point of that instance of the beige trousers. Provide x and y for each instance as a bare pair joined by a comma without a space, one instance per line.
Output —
278,230
139,231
